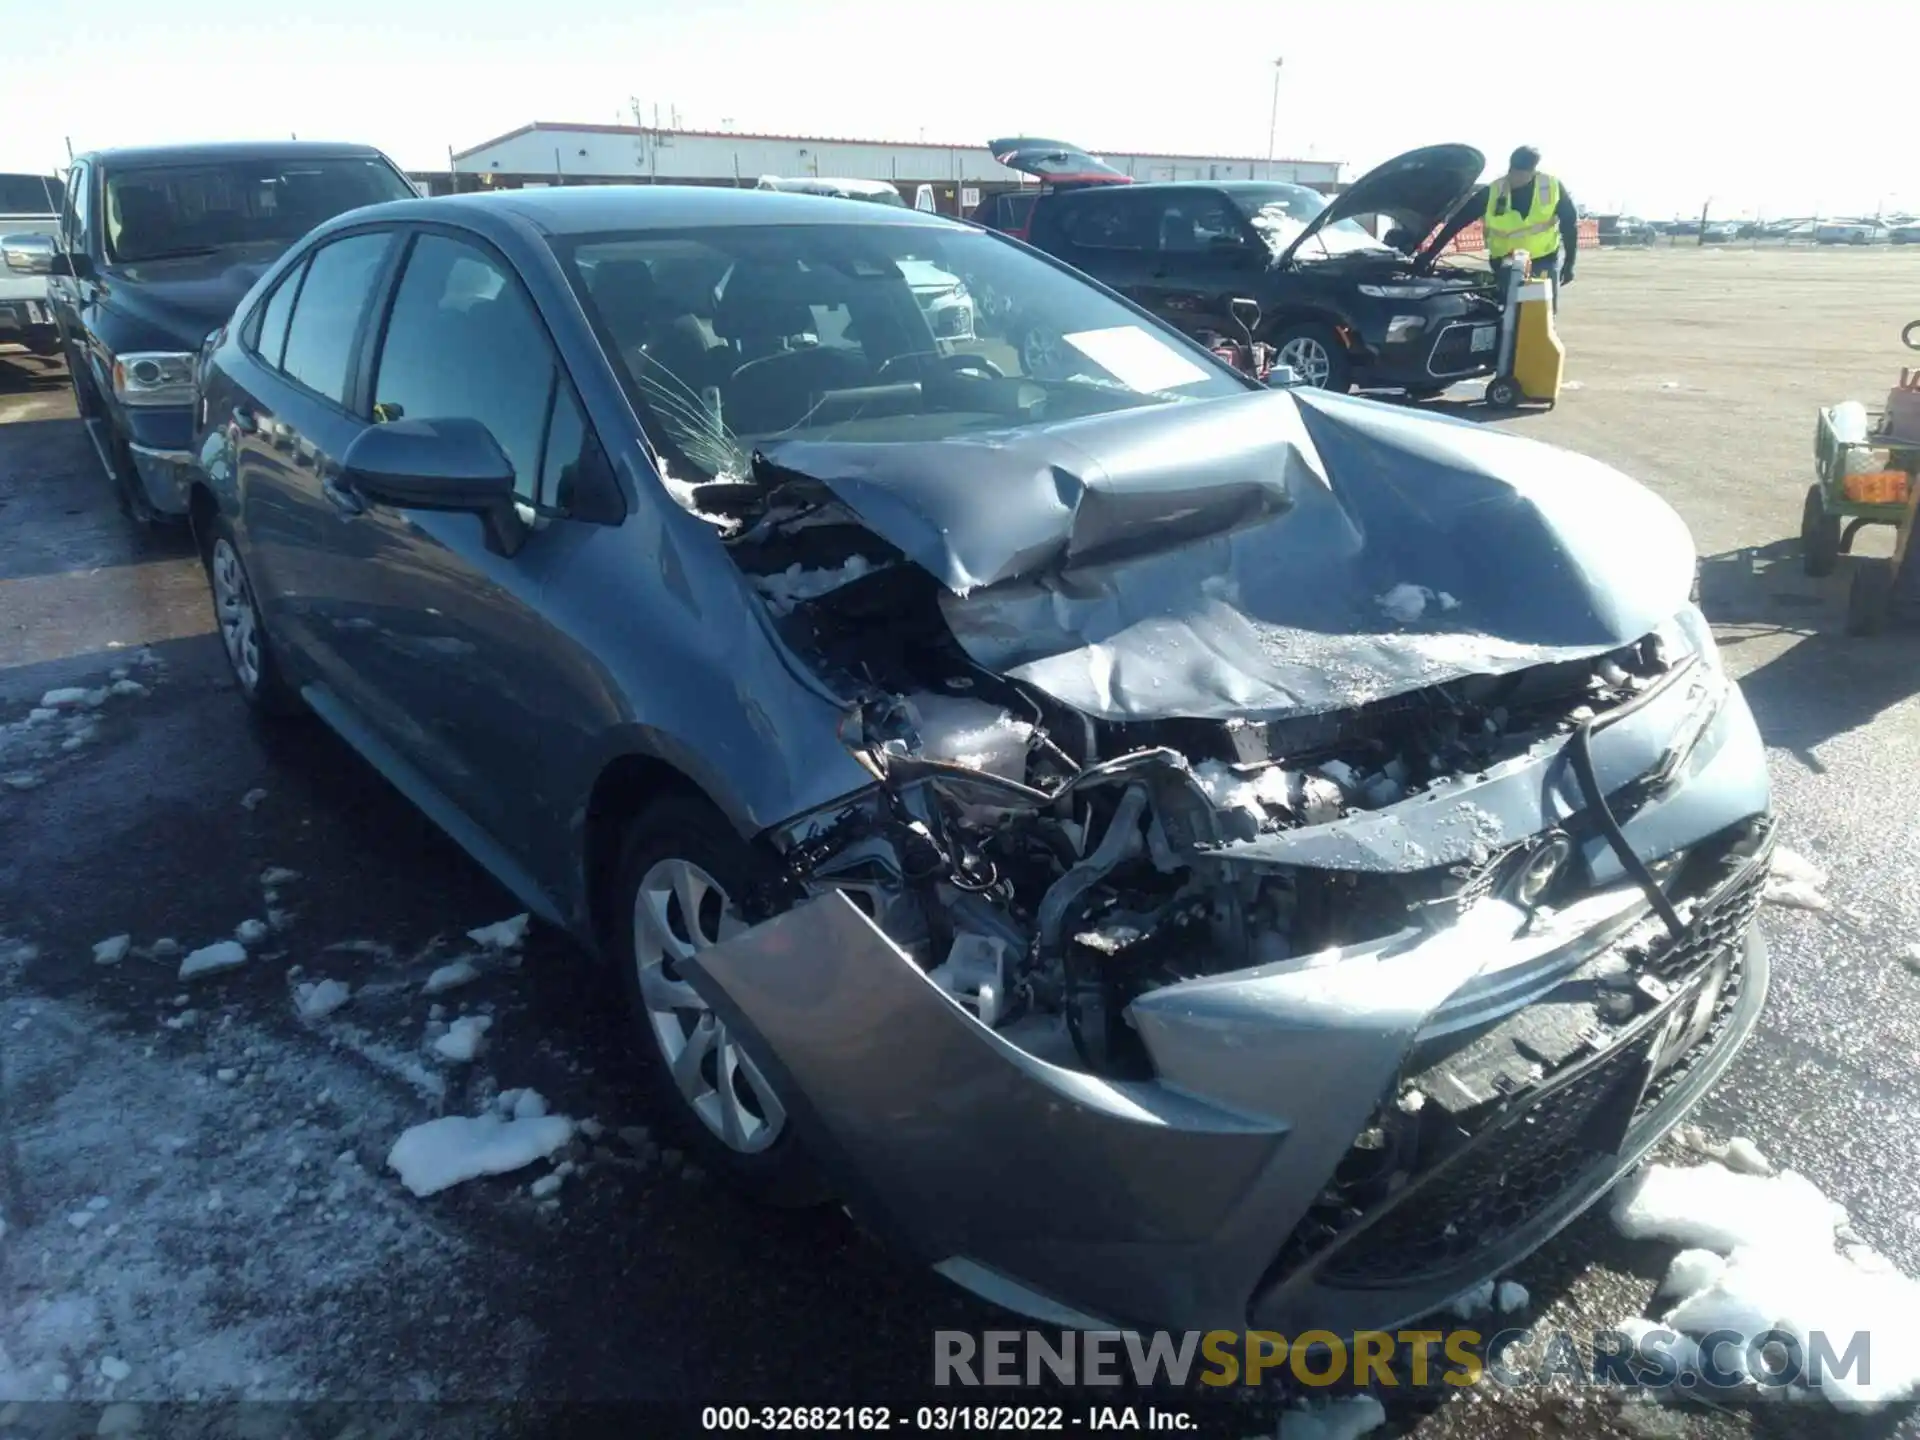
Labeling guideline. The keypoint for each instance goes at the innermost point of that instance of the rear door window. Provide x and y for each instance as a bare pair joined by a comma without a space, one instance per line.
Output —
1118,221
328,310
269,337
1198,222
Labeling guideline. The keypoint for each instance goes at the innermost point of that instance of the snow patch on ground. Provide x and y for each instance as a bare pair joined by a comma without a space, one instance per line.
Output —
463,1039
214,958
501,935
1796,882
113,950
1787,1261
797,584
450,977
437,1154
251,932
319,999
162,1295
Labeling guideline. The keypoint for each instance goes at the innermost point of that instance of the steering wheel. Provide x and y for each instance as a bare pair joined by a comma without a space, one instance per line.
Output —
960,364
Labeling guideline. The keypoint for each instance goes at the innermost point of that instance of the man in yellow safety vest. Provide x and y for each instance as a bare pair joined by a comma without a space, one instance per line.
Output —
1530,213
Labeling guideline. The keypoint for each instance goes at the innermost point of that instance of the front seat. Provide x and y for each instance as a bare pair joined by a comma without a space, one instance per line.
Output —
667,355
762,310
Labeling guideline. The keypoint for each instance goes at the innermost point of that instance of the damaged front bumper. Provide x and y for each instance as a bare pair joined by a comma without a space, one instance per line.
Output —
1211,1195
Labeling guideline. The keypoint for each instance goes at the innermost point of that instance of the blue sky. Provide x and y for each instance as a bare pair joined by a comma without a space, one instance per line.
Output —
1654,107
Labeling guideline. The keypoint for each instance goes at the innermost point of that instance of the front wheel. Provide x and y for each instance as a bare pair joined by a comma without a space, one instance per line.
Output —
1819,536
1314,353
682,874
243,634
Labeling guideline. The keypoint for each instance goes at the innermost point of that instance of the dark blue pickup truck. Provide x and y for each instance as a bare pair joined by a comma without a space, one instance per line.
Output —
155,248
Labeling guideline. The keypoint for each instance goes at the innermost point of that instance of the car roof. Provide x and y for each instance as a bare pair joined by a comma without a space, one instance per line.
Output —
142,155
1155,187
594,209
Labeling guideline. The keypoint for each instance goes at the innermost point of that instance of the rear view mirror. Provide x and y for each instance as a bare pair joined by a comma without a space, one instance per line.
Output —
452,465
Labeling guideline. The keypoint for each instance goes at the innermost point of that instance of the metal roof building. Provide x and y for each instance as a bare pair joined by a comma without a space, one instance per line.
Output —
550,153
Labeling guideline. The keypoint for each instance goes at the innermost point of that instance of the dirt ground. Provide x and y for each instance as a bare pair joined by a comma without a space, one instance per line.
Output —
1696,371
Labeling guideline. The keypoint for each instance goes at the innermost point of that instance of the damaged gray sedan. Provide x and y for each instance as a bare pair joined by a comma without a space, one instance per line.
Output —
1169,853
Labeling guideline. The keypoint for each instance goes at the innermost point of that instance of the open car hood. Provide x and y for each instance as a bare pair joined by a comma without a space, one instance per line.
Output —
1287,552
1419,191
1055,162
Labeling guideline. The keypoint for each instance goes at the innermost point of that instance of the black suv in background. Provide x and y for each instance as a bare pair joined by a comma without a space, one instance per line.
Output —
156,247
1339,306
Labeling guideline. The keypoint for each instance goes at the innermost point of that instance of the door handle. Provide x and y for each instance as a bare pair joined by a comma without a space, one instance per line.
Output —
343,500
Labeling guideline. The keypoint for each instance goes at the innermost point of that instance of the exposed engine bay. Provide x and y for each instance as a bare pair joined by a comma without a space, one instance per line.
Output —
1046,866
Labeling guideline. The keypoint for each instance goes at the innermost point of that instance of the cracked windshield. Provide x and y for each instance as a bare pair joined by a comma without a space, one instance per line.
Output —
864,333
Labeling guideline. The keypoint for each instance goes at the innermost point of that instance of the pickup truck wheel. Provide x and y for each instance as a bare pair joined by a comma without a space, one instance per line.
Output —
1315,354
243,634
681,872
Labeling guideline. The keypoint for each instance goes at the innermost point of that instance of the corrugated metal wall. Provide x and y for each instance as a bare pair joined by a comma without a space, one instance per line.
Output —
609,153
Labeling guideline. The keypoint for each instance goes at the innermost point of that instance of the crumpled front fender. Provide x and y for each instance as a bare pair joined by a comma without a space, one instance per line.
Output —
1135,1203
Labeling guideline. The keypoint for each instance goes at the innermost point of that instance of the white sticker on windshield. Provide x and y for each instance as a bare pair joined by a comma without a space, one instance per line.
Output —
1135,358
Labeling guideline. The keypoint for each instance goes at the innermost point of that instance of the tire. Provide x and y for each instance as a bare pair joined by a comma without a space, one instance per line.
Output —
1315,348
1819,536
1869,597
681,847
1503,393
243,633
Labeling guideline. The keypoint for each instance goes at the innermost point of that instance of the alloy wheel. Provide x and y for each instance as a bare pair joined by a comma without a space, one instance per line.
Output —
234,607
680,909
1308,359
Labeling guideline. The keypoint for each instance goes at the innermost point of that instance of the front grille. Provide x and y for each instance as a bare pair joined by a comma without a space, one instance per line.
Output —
1542,1148
1721,921
1500,1183
1453,352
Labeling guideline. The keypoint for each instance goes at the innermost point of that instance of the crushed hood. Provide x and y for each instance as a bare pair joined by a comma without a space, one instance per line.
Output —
1419,191
1263,555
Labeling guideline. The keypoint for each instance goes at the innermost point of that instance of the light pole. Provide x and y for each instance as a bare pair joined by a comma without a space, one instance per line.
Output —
1273,121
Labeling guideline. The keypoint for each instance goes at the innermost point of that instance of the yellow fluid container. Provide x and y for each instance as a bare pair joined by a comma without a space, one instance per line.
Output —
1538,356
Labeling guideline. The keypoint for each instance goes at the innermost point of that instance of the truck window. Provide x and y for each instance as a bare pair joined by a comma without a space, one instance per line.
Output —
31,195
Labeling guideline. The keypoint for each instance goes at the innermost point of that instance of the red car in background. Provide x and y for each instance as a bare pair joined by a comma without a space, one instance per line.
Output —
1056,165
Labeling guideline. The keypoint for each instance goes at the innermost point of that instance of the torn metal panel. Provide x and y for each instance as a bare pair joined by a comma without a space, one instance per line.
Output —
1228,559
1468,817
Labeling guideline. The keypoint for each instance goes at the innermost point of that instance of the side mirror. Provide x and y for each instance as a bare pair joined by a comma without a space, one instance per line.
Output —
451,465
29,254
